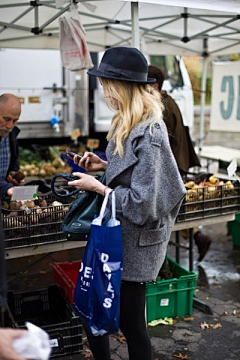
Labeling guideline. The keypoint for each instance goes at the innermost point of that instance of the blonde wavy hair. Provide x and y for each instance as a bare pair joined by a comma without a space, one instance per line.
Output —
136,104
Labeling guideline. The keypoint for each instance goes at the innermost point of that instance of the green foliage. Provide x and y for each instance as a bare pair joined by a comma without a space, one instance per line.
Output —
196,80
194,68
27,156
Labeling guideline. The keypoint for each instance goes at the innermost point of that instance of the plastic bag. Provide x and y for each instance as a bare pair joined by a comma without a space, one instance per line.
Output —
97,292
35,344
73,47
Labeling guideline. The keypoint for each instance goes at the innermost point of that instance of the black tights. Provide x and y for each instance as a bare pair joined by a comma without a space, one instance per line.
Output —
132,325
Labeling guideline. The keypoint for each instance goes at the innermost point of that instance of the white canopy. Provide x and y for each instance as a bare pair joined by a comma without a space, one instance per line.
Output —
184,27
157,27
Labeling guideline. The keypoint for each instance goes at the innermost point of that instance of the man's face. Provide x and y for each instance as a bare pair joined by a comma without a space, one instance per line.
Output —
9,115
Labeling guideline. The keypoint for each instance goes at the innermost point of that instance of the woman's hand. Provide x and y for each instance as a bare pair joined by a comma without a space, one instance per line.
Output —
87,182
91,162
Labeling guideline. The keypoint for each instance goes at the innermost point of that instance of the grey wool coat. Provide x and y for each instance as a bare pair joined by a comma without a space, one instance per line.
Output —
149,192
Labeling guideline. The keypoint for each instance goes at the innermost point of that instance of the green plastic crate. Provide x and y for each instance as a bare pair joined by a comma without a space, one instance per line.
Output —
234,229
172,297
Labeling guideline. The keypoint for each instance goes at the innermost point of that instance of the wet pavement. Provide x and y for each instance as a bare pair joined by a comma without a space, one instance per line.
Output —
218,286
195,336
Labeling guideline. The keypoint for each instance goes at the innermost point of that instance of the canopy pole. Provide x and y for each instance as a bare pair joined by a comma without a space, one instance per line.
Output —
185,23
203,96
135,24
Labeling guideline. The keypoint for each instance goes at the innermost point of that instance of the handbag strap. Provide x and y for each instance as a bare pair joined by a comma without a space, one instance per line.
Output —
68,177
71,177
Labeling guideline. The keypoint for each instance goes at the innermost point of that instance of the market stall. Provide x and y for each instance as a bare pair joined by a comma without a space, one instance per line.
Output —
38,230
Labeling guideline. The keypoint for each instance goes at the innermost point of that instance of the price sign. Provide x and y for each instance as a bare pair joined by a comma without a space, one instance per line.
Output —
24,192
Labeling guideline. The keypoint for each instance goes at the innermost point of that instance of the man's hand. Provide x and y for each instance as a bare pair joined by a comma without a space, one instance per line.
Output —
16,177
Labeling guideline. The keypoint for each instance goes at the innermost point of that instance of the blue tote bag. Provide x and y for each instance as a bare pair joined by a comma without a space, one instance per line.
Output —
97,292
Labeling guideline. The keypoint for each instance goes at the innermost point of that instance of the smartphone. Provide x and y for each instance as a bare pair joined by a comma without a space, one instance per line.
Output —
72,154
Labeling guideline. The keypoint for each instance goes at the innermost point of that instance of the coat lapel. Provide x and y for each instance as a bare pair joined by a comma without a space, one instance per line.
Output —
116,164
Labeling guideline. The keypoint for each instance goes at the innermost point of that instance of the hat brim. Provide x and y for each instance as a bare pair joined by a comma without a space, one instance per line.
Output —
103,75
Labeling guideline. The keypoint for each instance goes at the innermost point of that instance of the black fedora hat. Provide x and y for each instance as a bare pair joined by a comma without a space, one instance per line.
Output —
124,64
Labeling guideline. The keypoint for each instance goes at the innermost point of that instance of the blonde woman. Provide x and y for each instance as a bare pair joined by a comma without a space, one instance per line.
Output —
140,167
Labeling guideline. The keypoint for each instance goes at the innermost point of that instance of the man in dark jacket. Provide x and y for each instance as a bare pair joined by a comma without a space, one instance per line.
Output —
181,144
179,137
10,110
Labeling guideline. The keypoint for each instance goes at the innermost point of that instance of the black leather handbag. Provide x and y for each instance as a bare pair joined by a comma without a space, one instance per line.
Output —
77,222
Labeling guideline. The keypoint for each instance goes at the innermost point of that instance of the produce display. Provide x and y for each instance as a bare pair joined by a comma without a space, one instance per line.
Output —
208,189
33,222
207,195
37,221
31,163
40,220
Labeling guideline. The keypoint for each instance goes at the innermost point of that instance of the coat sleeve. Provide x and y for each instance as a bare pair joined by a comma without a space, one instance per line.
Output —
156,186
4,186
14,163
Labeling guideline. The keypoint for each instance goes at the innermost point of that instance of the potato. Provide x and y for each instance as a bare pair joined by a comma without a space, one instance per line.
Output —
13,205
56,203
5,205
30,204
43,203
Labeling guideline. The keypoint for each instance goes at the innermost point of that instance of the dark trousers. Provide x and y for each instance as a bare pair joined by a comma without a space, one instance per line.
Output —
132,325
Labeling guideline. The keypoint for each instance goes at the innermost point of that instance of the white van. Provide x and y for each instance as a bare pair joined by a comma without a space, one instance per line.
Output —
47,91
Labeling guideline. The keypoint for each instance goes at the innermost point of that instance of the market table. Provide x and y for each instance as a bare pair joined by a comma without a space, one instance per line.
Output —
67,245
41,233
